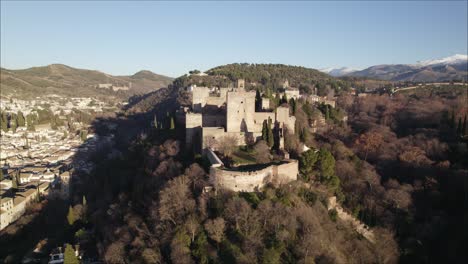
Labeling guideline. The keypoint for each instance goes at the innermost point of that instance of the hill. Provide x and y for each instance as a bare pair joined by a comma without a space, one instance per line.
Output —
65,80
264,76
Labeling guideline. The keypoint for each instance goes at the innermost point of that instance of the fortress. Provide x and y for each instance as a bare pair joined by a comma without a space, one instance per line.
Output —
219,113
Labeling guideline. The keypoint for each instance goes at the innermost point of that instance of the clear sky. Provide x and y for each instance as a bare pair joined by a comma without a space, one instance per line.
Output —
172,38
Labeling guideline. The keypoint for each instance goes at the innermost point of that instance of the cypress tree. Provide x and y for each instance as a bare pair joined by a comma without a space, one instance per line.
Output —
292,103
464,132
155,122
172,123
71,216
4,121
265,131
270,137
459,127
258,101
452,120
20,120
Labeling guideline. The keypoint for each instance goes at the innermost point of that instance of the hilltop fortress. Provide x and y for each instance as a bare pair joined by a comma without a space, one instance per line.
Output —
220,113
217,113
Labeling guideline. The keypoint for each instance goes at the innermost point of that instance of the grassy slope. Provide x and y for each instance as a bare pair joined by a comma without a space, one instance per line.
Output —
65,80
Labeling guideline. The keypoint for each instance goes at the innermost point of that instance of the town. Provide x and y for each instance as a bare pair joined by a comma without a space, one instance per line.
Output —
40,140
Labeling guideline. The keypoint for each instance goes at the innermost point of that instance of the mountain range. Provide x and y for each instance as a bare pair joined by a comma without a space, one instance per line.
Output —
65,80
445,69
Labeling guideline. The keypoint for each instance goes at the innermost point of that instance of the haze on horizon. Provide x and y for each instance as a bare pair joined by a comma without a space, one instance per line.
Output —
122,38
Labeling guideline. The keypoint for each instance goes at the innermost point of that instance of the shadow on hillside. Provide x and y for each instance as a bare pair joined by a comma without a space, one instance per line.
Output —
103,167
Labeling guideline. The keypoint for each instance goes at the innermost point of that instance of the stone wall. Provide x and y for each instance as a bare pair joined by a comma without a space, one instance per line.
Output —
240,109
193,125
199,95
250,181
283,118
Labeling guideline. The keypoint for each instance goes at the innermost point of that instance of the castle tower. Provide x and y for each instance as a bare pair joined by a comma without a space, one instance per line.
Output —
240,85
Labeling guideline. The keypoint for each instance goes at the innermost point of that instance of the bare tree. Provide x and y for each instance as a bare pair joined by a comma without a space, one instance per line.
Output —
262,152
215,229
175,201
227,145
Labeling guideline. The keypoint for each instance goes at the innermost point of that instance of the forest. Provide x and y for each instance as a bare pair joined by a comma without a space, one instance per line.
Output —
397,165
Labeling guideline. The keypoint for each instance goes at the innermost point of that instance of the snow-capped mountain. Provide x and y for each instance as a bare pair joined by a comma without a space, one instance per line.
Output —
455,59
336,72
446,69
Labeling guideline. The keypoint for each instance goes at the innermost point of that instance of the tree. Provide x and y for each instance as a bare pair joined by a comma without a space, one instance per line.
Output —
215,229
227,145
69,256
155,122
293,105
200,248
71,216
175,201
172,123
464,132
270,138
369,142
284,99
326,164
452,119
265,131
20,119
258,101
262,152
307,162
83,135
459,127
4,120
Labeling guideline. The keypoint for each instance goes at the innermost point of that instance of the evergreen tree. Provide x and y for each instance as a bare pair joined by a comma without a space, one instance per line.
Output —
69,256
71,216
155,122
258,101
464,132
459,127
327,112
303,135
20,119
270,137
84,217
4,121
292,103
277,99
265,131
452,120
284,99
172,123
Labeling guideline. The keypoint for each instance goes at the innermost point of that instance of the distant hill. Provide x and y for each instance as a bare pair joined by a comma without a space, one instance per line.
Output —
65,80
445,69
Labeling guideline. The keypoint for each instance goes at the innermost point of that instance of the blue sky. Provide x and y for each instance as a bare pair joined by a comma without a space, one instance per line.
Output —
174,37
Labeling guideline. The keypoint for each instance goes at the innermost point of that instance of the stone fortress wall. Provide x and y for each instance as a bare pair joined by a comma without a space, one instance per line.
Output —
251,180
